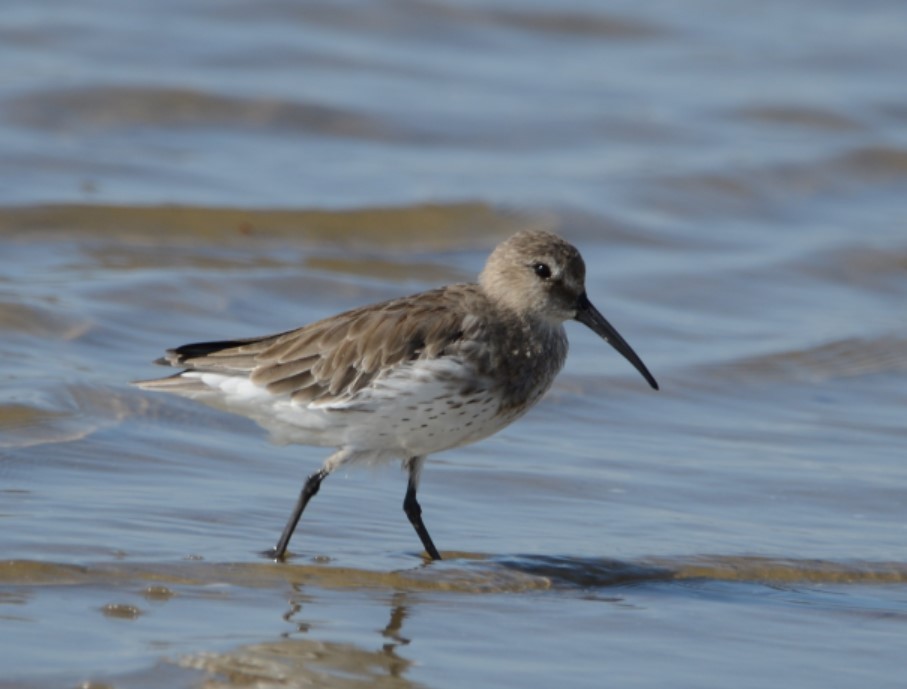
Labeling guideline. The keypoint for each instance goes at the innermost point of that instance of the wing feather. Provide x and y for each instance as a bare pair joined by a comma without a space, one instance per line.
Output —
333,359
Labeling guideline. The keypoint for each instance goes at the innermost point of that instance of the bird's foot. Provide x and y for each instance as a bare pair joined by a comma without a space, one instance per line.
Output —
274,554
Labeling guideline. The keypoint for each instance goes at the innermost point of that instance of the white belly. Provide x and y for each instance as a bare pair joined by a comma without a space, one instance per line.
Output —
415,410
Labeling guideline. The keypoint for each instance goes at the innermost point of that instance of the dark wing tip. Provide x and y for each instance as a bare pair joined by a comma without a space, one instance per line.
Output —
199,349
182,356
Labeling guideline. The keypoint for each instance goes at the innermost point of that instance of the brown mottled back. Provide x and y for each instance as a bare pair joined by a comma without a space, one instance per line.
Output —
336,357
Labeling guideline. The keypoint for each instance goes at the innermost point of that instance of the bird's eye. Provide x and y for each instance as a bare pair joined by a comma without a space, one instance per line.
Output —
542,270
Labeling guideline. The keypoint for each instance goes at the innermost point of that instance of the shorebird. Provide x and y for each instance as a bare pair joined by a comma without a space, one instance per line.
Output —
409,377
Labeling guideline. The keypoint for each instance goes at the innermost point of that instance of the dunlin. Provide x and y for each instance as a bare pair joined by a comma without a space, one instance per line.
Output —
408,377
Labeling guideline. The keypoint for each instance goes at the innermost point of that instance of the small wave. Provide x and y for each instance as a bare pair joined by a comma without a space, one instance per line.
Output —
799,116
291,663
39,320
417,227
460,572
575,25
753,189
859,265
96,107
65,413
467,575
595,573
843,358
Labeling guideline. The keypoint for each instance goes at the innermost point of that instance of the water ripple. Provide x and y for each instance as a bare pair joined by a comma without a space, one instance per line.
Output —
462,572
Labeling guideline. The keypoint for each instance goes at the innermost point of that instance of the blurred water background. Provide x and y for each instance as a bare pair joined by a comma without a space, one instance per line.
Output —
735,174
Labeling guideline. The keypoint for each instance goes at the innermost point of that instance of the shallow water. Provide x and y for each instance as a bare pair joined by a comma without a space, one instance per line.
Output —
735,178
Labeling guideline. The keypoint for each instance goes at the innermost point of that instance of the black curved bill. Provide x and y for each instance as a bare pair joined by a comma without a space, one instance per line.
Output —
589,316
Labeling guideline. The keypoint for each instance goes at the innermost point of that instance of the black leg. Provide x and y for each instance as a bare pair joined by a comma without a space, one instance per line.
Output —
312,484
414,512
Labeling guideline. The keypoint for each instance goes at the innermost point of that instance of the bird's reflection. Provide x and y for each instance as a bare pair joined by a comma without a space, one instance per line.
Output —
310,660
392,631
398,614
